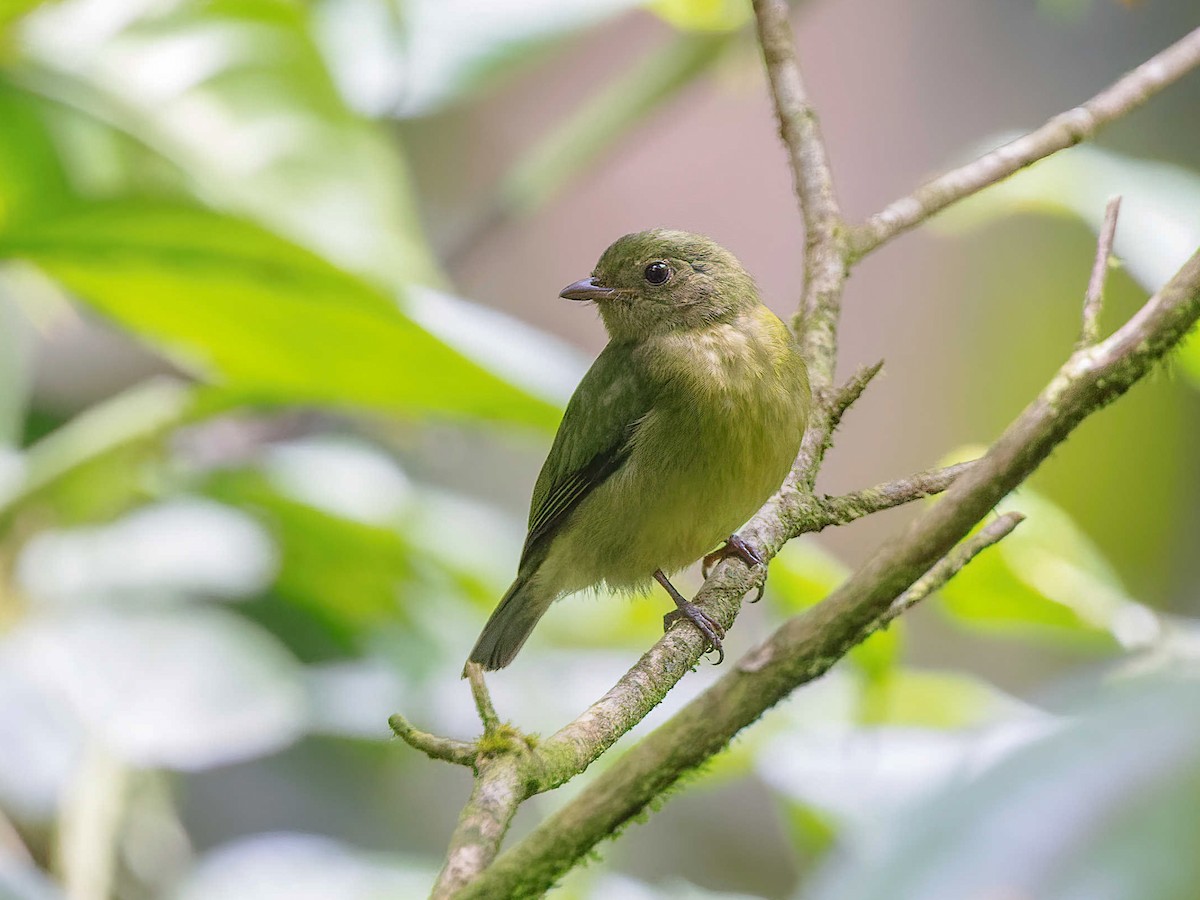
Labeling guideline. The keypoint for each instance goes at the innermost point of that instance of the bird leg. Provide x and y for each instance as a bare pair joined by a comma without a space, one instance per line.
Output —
735,546
708,626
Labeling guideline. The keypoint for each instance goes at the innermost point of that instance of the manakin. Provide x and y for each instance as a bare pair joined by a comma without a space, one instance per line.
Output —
687,422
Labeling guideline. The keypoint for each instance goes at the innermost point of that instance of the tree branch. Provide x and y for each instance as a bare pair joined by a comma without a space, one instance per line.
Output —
1064,130
848,507
825,252
447,749
808,645
1093,298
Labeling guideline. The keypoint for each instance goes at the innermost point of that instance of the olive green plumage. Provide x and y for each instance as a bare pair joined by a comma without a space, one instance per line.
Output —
686,423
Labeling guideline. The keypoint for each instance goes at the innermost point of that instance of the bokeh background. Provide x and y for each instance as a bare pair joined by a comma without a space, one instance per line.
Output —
280,355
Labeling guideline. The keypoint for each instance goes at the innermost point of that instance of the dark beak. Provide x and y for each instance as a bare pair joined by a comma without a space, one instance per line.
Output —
588,289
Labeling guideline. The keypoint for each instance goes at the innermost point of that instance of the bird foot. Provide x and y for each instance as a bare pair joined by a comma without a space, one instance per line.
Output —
735,546
708,626
684,609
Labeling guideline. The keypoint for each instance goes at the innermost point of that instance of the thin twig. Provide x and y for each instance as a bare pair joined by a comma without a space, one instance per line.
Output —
825,253
951,564
846,508
1093,299
1064,130
483,700
447,749
847,395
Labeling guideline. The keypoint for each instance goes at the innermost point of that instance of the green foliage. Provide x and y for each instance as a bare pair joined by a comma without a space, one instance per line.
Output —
270,322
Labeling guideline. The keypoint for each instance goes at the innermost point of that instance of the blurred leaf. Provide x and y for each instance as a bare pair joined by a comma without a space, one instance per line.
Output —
445,50
1159,227
858,778
21,880
95,466
289,866
1108,806
703,15
926,699
533,360
273,322
184,689
802,575
15,361
348,572
31,174
180,548
1047,581
238,97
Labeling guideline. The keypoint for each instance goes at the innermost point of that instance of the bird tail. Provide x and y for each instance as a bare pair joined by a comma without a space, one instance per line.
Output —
511,624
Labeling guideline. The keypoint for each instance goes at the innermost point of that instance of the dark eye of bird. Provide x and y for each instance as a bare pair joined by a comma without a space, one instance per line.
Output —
657,272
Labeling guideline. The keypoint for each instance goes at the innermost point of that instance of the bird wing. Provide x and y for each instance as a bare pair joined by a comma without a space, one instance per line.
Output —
592,443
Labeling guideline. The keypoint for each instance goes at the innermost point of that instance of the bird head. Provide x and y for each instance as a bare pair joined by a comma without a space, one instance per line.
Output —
653,282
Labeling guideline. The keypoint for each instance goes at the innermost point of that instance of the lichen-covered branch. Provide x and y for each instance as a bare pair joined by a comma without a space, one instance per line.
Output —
447,749
1064,130
1093,298
495,796
808,645
825,254
846,508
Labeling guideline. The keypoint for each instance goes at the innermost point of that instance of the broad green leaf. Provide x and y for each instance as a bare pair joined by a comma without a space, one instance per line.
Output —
180,549
31,173
267,320
1159,225
1107,805
1047,581
348,573
239,98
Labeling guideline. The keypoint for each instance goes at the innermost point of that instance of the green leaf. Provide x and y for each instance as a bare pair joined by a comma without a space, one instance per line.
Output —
348,573
1047,581
267,320
921,698
31,173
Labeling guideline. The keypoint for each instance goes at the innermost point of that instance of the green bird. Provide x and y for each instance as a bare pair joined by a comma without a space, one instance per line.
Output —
686,423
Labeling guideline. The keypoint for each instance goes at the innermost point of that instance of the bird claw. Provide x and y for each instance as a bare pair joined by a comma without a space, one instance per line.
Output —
734,546
709,627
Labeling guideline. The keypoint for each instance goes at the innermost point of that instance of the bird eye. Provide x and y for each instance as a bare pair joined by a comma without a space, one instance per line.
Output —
657,273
